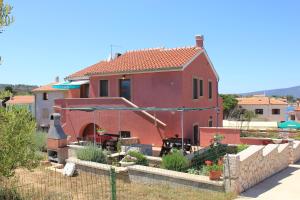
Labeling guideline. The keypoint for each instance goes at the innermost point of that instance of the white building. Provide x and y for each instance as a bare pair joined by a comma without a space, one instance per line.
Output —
44,98
265,108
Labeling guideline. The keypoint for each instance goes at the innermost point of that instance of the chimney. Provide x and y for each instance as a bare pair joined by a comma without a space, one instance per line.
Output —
199,40
57,79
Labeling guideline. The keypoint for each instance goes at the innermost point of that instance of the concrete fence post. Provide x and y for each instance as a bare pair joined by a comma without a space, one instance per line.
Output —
231,173
113,184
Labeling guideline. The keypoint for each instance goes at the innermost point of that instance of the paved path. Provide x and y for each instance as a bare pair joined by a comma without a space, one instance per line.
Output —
282,186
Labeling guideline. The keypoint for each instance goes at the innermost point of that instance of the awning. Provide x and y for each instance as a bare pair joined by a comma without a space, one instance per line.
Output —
70,85
289,124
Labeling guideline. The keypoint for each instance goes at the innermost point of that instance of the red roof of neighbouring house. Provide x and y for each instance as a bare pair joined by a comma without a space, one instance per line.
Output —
148,60
46,88
21,100
261,100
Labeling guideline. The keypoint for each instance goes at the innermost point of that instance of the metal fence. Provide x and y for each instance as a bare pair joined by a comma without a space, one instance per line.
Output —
45,184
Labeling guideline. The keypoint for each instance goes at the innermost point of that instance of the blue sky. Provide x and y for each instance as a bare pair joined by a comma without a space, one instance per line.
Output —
254,45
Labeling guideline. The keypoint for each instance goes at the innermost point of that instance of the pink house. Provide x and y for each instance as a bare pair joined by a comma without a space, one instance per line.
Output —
160,77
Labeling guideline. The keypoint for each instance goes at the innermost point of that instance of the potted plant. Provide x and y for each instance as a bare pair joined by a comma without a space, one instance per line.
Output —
215,169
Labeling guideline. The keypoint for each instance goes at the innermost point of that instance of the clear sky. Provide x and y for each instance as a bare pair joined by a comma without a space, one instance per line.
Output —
253,44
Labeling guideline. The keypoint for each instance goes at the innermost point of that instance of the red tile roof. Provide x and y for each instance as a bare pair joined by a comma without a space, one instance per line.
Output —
46,88
158,59
260,100
21,100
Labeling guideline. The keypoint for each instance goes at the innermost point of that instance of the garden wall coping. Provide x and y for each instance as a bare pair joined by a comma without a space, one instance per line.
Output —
250,151
95,165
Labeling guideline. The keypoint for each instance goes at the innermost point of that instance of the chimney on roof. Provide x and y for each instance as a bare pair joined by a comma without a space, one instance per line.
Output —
199,40
57,79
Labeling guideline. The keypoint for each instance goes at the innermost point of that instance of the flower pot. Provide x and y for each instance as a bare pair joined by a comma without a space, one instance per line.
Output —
215,175
277,141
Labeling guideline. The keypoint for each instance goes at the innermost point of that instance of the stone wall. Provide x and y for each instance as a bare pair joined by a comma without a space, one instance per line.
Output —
256,163
151,175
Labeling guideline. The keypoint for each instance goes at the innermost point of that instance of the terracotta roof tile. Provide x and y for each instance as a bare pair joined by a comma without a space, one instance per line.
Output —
21,100
260,101
46,88
141,61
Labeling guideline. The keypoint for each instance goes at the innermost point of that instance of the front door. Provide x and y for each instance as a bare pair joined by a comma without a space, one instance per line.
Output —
125,88
196,135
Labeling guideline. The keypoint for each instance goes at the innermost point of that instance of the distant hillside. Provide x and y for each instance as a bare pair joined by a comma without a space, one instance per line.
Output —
292,91
19,88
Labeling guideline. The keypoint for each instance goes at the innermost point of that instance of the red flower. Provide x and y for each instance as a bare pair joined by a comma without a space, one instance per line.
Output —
208,163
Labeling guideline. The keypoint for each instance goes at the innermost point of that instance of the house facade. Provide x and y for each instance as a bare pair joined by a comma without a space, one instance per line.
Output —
22,101
161,78
265,108
44,101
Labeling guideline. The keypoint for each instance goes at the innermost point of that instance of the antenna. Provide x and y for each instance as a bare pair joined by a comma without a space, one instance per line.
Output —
111,50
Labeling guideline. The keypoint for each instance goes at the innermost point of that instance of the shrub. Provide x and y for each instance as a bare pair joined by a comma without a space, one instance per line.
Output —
17,146
92,153
9,193
175,161
141,159
41,141
213,153
242,147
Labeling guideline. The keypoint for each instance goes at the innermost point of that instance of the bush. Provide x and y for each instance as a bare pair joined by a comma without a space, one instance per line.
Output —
213,153
92,153
41,141
242,147
141,159
8,194
175,161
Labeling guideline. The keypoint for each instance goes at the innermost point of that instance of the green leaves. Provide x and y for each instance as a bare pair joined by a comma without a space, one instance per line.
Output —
5,14
17,146
229,103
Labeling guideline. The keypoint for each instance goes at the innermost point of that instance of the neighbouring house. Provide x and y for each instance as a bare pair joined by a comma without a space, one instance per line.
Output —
44,102
158,77
22,101
297,113
265,108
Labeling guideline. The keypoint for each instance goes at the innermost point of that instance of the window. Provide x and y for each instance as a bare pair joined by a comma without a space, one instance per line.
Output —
125,134
84,91
125,88
210,121
210,90
201,88
259,111
103,88
275,111
196,134
45,96
195,88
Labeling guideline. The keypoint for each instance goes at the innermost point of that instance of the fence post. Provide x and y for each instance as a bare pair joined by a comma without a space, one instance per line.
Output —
113,184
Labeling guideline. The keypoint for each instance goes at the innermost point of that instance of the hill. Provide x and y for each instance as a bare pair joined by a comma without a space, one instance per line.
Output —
291,91
19,88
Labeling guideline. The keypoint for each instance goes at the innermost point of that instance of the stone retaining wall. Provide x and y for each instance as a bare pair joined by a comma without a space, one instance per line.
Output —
97,168
150,175
256,163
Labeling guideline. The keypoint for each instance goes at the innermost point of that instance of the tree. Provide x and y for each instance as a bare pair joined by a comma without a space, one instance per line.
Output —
17,144
229,104
4,93
5,15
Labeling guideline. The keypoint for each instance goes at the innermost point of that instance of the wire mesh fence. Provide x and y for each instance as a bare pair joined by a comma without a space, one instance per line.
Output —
46,184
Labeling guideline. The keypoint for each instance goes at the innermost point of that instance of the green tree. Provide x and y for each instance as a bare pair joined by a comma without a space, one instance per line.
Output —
5,15
17,142
229,104
4,93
